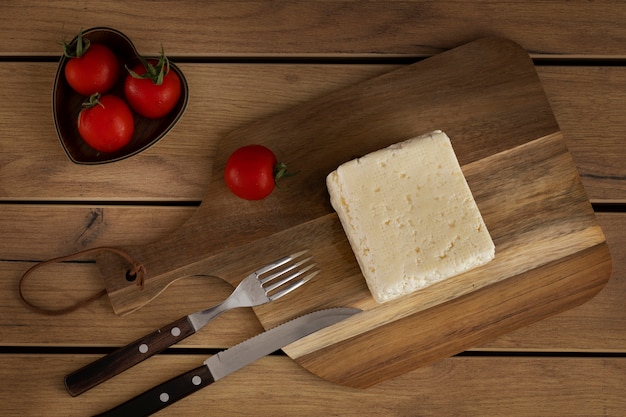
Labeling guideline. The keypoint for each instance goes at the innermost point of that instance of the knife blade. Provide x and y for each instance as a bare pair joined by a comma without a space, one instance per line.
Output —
228,361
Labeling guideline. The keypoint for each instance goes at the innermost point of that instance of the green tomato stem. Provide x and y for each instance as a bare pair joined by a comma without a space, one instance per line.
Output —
94,100
155,72
79,49
280,172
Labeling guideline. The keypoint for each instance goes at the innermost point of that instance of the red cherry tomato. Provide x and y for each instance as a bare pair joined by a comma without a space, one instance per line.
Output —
107,125
249,172
145,95
95,70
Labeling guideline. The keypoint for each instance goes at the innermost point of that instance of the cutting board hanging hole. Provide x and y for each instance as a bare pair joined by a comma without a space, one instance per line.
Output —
131,276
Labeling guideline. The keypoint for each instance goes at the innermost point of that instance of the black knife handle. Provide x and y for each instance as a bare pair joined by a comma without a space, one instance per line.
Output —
163,395
120,360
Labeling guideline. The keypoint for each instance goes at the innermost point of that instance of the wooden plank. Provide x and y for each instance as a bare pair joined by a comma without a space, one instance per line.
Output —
467,386
599,325
588,103
38,232
320,28
226,96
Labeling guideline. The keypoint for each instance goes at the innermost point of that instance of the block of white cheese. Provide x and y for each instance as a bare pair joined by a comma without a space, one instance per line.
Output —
409,216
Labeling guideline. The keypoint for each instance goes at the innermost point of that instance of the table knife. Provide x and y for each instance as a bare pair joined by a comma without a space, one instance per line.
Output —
228,361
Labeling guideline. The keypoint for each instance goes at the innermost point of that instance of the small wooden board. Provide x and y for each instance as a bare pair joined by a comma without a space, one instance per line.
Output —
550,252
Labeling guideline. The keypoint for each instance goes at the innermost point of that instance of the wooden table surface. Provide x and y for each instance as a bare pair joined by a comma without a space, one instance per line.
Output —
245,61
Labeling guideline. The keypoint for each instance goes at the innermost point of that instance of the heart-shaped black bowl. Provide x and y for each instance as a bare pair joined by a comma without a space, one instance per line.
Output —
67,104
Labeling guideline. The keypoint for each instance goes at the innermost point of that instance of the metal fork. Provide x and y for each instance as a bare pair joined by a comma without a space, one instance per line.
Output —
266,284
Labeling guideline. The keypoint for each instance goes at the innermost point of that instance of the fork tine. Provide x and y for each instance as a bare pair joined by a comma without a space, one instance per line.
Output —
292,286
280,262
284,270
287,278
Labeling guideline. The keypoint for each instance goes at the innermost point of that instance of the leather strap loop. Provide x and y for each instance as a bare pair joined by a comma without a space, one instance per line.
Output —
138,270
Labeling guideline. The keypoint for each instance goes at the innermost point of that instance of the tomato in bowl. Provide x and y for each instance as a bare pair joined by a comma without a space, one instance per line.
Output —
67,103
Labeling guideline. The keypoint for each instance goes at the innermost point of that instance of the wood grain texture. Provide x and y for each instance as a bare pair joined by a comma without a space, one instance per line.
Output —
594,131
223,44
321,28
508,144
339,126
449,328
56,230
463,386
596,326
51,236
568,326
179,167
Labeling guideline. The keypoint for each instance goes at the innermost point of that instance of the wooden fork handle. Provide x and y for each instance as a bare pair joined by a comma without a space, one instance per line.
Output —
126,357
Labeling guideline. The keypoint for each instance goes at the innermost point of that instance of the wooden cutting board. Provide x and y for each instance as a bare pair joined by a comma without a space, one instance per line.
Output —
550,253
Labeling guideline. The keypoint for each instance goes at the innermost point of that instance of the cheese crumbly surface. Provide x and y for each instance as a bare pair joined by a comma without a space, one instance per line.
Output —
409,216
